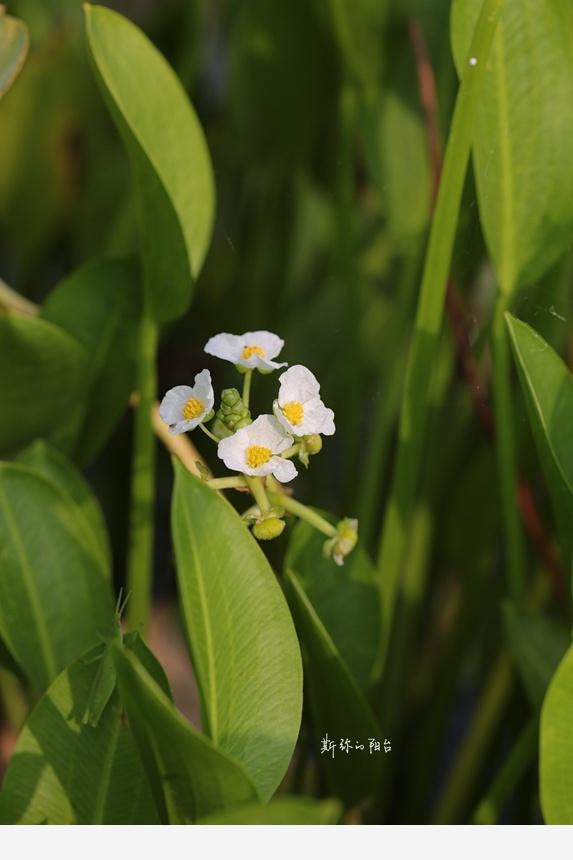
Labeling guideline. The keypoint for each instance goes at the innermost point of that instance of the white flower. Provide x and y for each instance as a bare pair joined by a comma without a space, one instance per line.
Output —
299,407
253,350
184,407
253,450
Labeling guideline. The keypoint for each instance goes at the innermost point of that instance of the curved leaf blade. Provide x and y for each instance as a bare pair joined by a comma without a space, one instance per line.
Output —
55,600
346,599
14,45
339,709
66,772
168,153
189,776
522,144
41,377
99,305
242,640
556,746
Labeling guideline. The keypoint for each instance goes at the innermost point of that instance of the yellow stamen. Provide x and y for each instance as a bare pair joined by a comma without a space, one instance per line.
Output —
193,409
257,455
293,412
253,350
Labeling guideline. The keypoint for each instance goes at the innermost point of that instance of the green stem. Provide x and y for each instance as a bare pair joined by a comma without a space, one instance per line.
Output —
247,387
516,764
422,358
140,560
291,452
506,451
226,483
304,513
259,494
209,434
471,756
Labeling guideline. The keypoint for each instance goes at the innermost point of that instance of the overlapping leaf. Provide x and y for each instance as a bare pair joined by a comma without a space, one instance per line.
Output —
169,156
243,642
556,746
283,810
13,49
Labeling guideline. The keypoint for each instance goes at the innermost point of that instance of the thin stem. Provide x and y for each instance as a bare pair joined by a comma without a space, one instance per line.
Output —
257,489
521,755
226,483
291,452
506,451
140,559
304,513
209,434
422,358
247,388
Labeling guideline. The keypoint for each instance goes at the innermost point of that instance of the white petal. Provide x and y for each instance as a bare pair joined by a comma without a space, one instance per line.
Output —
297,383
203,391
267,431
231,450
283,470
182,427
226,346
282,419
317,418
271,343
259,363
171,407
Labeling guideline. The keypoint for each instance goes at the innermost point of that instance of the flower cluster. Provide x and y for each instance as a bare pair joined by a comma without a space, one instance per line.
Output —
261,450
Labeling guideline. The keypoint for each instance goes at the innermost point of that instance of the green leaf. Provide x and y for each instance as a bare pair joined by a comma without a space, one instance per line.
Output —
282,810
13,49
168,153
41,373
538,645
339,709
55,600
99,305
359,30
65,772
523,159
243,643
190,777
48,462
548,390
556,746
346,598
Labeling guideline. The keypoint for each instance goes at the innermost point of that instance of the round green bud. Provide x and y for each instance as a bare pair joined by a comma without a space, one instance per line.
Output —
243,422
268,529
230,397
313,443
219,429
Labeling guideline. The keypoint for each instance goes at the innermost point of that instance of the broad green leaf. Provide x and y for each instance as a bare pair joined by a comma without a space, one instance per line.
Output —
538,645
169,156
41,371
55,599
523,158
13,49
99,306
47,461
359,30
243,643
338,707
282,810
346,598
189,776
548,390
556,746
66,772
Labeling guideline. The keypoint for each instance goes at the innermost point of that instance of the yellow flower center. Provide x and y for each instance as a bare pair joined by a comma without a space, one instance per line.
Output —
253,350
293,412
193,409
257,455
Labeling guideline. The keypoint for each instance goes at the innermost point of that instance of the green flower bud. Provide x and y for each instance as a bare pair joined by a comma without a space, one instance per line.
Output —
342,544
230,397
268,529
313,443
243,422
219,429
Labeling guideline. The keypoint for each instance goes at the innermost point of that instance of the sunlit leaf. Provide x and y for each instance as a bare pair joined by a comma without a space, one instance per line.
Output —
169,156
55,599
282,810
66,772
41,375
523,157
189,776
243,643
556,746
